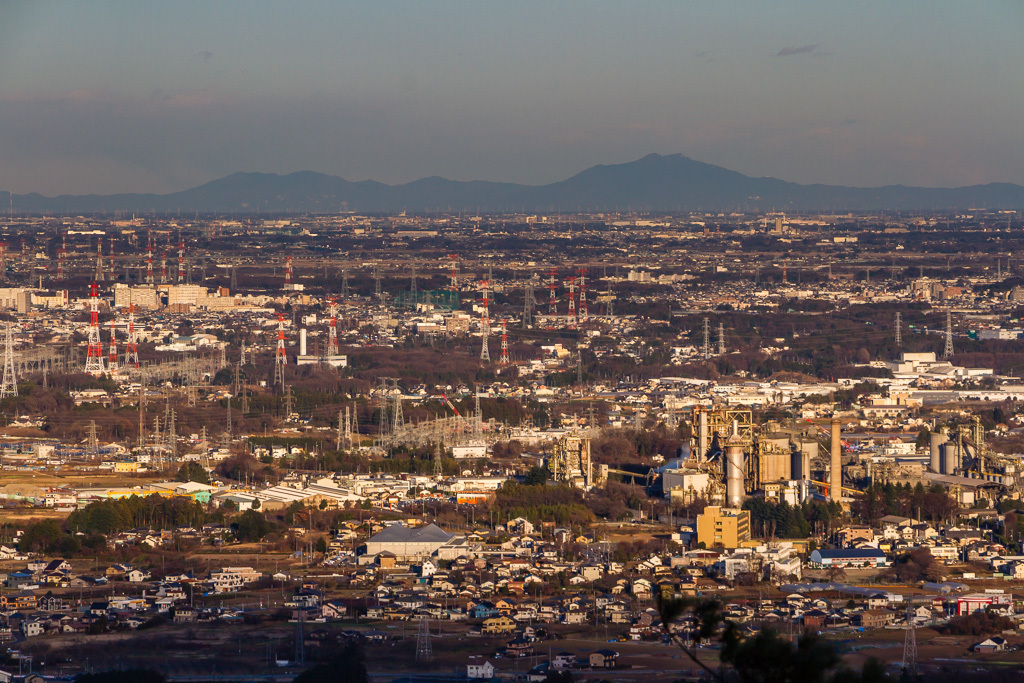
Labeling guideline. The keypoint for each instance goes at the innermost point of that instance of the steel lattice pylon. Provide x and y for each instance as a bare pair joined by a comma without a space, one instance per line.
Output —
94,355
424,651
10,382
910,645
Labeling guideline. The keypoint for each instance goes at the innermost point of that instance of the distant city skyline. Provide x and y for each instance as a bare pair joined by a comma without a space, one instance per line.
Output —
109,97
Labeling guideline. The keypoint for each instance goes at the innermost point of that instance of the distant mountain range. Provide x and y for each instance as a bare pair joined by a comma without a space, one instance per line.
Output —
653,183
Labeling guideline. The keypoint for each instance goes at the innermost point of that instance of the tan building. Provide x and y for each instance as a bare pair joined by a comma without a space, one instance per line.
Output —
725,527
497,626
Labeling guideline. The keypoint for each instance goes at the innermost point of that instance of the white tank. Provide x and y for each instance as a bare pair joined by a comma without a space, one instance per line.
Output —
950,458
734,469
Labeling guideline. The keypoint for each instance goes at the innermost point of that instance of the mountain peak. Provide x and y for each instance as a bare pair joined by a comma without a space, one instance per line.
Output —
654,182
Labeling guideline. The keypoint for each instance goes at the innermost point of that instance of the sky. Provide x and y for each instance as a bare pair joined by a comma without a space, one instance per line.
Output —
107,97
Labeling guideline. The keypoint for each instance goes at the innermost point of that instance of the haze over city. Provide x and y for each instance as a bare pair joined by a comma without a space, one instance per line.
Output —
461,342
109,97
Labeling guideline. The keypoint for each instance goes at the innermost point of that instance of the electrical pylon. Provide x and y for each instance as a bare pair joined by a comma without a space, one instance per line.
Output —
62,254
397,419
9,387
332,331
93,443
149,261
528,306
280,358
131,349
181,258
910,645
899,330
94,353
572,319
552,293
581,310
99,260
948,351
706,349
454,284
503,359
485,322
112,359
438,447
163,267
288,273
424,653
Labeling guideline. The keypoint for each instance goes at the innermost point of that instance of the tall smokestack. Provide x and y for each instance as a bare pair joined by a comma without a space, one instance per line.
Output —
835,474
702,433
734,493
302,342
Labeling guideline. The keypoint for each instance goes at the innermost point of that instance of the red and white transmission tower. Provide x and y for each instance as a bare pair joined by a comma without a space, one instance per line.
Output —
181,258
112,359
503,359
485,303
485,320
281,358
110,243
571,318
94,354
131,347
332,331
149,260
163,267
288,273
582,308
552,293
62,254
454,284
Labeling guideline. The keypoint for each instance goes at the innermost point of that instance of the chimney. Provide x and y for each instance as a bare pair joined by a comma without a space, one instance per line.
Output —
302,342
835,475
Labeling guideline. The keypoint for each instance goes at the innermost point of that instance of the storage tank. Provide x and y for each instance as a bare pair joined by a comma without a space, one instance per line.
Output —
734,469
803,453
950,457
935,441
776,462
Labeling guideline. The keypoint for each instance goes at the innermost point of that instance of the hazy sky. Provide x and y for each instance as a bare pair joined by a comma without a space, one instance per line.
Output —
160,96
